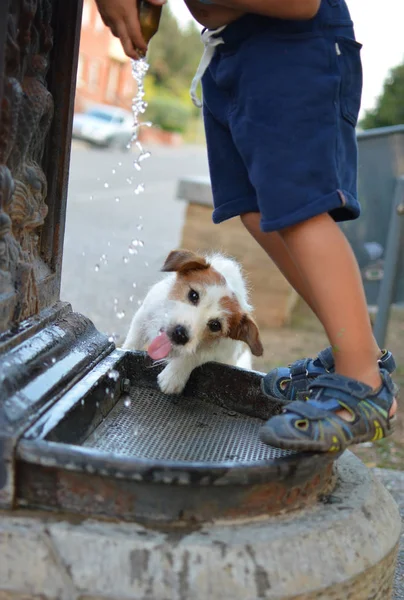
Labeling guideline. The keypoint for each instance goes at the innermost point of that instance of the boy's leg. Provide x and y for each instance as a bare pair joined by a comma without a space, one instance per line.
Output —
326,262
357,403
274,245
277,250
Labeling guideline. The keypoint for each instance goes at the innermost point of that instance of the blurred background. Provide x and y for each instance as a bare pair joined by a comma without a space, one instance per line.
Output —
104,72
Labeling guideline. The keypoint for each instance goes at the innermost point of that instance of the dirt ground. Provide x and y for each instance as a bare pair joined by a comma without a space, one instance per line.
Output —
304,337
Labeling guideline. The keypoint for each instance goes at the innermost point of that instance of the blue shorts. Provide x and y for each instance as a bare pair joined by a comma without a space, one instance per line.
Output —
281,102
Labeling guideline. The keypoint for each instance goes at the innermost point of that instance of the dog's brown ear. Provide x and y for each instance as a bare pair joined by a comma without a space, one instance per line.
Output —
246,330
183,261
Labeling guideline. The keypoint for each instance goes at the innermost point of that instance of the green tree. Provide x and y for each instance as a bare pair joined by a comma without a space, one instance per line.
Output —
389,109
174,54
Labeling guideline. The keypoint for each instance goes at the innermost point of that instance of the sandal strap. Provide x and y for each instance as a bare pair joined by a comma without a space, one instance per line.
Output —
326,358
349,393
354,388
301,372
299,368
387,362
289,383
306,367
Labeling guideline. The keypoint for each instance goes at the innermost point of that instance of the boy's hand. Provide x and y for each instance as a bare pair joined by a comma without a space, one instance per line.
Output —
122,17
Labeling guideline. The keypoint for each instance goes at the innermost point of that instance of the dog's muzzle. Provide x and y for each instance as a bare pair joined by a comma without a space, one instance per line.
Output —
179,335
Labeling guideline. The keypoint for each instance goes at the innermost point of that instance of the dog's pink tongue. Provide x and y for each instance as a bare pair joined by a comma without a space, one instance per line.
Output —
160,347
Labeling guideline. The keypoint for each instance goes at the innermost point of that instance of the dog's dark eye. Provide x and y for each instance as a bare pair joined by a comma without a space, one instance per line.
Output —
215,325
193,296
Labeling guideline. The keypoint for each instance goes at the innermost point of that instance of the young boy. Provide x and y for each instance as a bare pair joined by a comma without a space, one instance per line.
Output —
282,86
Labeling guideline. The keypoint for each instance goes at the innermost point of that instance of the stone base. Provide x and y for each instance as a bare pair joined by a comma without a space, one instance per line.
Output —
344,547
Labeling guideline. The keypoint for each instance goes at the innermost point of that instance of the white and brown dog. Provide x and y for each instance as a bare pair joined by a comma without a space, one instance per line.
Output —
197,313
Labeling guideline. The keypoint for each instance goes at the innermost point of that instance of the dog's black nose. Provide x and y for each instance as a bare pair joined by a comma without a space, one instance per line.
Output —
179,335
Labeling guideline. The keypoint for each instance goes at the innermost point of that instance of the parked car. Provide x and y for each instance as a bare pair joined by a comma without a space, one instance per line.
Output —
105,126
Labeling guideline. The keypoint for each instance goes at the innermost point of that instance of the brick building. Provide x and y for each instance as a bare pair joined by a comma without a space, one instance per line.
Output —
104,72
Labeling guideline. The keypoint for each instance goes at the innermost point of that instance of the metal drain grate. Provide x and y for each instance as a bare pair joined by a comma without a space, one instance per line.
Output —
149,424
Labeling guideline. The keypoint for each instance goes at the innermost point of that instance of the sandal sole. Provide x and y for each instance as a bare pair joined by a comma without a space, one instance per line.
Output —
301,446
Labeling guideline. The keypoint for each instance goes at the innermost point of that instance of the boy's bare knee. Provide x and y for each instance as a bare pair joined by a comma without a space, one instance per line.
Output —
250,219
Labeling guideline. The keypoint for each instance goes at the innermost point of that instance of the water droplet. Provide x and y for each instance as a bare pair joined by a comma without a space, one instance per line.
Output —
139,146
117,198
107,390
134,285
129,180
125,260
91,197
131,298
106,185
139,188
97,268
83,254
139,227
128,146
53,361
113,374
140,218
127,402
113,171
97,404
136,165
82,402
109,244
119,164
140,302
120,314
132,250
146,124
144,155
111,339
146,264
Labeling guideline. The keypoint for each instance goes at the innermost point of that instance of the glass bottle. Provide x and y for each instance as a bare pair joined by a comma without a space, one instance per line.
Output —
149,16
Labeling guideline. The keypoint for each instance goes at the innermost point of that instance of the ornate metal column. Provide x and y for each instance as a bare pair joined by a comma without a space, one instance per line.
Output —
38,61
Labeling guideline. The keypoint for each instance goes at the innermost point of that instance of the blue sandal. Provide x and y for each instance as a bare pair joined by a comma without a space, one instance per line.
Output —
292,383
314,426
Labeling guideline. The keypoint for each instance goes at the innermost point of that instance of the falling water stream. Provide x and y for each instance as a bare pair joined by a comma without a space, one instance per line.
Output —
140,154
139,106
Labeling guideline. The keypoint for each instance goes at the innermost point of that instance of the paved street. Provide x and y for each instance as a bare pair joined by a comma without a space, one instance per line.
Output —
104,216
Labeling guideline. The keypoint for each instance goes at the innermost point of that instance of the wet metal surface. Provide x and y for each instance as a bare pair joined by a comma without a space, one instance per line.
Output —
113,445
36,372
148,424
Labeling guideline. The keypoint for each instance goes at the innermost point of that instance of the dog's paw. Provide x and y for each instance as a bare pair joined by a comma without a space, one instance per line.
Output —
170,381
